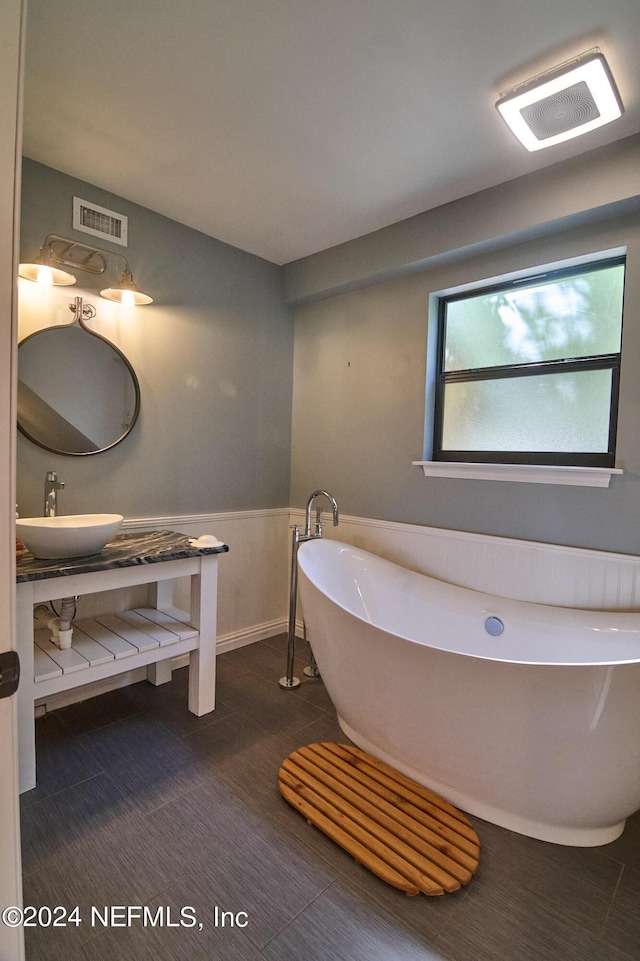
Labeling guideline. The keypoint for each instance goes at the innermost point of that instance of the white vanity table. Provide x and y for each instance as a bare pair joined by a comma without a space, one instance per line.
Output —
107,645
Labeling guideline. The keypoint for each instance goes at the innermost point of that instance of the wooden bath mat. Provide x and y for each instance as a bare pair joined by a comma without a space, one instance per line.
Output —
403,833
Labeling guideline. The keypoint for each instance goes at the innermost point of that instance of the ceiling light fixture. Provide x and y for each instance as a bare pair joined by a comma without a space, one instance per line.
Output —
571,99
70,253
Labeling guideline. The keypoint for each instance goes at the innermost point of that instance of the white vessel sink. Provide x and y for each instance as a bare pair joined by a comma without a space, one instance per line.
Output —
68,535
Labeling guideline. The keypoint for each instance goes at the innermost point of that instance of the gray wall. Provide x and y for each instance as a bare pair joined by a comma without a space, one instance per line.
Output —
213,355
579,191
360,362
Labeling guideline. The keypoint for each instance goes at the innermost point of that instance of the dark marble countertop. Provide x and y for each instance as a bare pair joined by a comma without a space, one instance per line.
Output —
125,550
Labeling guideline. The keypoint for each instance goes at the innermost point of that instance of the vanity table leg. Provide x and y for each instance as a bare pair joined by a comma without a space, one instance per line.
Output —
159,672
202,662
26,693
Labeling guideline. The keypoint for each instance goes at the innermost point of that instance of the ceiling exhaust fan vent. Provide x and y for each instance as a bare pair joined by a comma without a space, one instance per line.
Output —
574,98
100,222
562,111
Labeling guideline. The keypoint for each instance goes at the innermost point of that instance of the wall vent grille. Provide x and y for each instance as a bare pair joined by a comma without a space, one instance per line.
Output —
100,222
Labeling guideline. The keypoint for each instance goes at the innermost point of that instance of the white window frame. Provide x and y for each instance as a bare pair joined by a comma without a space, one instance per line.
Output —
523,473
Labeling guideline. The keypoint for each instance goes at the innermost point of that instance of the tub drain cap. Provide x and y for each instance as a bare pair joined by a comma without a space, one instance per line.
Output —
493,626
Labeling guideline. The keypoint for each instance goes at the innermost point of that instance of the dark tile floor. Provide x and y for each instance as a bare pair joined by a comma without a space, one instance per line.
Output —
139,803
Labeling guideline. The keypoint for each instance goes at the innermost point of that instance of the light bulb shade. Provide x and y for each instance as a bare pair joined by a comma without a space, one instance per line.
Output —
574,99
45,272
126,292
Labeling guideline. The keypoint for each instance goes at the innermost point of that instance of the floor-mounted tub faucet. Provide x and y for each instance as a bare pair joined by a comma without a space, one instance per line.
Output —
51,487
318,531
289,681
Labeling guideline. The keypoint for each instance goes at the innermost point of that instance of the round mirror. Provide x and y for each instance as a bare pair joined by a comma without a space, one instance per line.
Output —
77,393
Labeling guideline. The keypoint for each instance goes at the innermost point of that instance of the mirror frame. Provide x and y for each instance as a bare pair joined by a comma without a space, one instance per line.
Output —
134,378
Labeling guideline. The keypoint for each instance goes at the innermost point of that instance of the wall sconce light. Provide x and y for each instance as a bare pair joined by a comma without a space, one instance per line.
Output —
564,102
126,292
58,250
44,270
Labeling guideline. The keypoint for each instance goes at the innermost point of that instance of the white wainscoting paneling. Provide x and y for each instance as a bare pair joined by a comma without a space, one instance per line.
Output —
253,578
523,570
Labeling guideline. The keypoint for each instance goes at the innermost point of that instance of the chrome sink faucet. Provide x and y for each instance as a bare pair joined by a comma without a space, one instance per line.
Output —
51,487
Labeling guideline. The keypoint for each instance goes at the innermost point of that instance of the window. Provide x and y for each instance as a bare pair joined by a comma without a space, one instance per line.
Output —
528,371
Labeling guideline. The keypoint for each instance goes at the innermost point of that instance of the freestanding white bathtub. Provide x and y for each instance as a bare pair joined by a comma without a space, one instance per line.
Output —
536,728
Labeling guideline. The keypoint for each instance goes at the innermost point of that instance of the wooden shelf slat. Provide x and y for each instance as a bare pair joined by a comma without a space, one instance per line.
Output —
94,653
44,668
105,638
143,631
120,626
68,660
164,619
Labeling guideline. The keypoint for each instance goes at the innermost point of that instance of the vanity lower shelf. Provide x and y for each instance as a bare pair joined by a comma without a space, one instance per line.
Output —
110,644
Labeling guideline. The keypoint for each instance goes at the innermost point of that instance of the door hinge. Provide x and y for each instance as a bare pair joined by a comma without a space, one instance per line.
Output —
9,673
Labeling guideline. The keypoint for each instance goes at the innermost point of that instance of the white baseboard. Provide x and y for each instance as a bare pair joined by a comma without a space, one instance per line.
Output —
259,632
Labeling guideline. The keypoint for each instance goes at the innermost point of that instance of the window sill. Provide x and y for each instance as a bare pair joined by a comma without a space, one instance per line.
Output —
523,473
